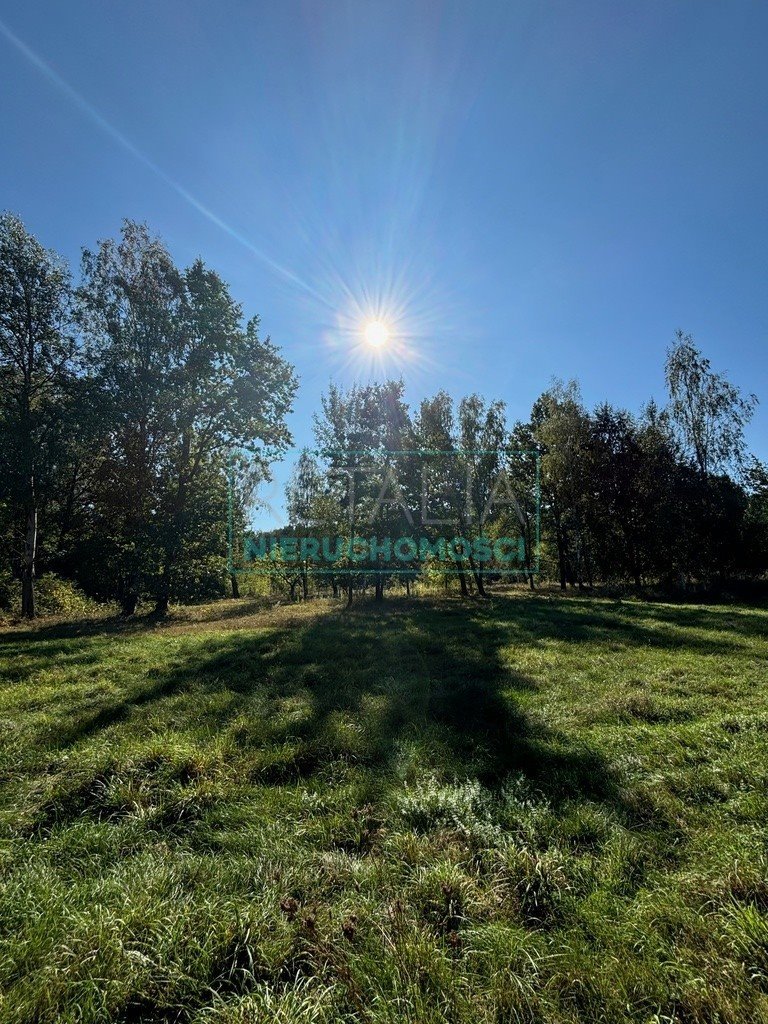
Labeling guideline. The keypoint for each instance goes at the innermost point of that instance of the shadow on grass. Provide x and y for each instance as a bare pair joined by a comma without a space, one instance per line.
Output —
576,619
357,686
572,617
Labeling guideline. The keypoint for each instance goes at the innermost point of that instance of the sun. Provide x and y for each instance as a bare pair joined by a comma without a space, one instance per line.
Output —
376,333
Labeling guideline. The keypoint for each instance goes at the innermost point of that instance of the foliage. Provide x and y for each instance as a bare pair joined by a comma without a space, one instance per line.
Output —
129,401
118,436
54,596
184,385
708,411
38,355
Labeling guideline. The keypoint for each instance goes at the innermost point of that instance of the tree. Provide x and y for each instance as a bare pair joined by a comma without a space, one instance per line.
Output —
303,495
756,520
38,352
357,433
482,437
560,426
185,384
521,462
708,412
435,431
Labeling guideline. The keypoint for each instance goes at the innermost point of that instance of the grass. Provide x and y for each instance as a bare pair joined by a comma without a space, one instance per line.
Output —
535,809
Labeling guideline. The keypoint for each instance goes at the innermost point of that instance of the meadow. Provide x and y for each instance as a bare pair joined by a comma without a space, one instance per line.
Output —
537,808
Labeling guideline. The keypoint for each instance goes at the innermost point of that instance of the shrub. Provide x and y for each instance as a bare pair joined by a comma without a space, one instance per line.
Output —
53,596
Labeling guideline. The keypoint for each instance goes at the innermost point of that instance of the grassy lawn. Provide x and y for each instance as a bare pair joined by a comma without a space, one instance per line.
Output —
536,809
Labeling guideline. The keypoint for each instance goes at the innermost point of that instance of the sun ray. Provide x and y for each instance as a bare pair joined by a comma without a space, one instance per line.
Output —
117,136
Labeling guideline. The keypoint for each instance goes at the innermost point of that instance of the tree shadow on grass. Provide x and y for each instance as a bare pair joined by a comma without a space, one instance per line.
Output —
358,686
576,619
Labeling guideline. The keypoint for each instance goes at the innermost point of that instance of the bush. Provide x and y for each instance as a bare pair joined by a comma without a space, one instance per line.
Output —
53,596
200,579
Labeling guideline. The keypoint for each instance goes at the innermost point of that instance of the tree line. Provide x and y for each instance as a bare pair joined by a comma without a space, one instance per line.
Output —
139,411
669,498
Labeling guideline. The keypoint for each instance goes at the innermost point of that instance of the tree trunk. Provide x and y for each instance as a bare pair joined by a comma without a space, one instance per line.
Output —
29,566
407,587
129,602
349,593
561,540
462,578
561,560
477,572
234,584
590,573
527,546
636,568
379,589
67,513
173,543
163,593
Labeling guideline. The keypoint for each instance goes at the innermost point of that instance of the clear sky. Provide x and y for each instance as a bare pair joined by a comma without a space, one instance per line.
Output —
522,190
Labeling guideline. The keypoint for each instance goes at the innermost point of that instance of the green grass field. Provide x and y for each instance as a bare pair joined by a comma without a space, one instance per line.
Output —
536,809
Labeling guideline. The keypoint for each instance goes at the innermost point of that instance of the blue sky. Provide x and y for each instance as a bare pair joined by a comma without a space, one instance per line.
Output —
522,190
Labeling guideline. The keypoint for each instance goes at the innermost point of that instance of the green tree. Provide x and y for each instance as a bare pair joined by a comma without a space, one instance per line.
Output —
521,464
357,433
708,412
38,354
185,384
482,439
444,478
756,520
303,495
561,430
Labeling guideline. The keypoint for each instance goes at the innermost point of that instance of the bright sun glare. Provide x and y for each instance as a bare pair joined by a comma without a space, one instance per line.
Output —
376,333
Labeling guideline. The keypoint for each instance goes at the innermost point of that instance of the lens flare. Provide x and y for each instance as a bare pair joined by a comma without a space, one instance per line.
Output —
376,333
